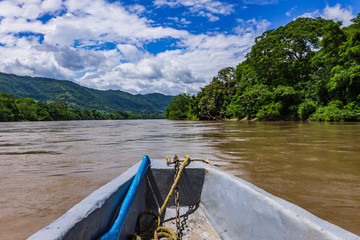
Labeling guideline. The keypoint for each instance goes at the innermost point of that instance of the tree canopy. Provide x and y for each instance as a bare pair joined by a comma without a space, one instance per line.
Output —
307,69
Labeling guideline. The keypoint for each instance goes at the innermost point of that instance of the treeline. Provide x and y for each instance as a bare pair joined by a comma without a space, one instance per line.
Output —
308,69
13,108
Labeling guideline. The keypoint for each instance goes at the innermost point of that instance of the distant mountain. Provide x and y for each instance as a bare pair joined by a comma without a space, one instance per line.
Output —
79,97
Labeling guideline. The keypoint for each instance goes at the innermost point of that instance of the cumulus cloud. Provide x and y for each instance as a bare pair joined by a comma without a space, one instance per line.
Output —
77,60
130,52
336,13
104,45
51,5
187,69
136,8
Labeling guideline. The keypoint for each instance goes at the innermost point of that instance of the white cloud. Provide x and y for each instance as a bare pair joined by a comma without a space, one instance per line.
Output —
313,14
130,52
183,70
29,9
103,45
205,8
251,27
288,13
51,5
261,2
183,21
212,17
336,13
136,8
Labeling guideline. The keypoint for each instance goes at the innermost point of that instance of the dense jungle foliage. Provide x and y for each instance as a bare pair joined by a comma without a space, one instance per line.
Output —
13,108
308,69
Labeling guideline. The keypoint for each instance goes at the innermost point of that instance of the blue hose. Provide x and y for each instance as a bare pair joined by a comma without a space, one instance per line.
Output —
114,232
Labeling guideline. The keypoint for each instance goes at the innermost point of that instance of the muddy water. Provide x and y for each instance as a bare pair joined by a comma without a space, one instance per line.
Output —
47,167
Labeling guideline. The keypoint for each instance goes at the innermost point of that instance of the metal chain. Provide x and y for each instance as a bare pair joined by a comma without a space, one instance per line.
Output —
177,201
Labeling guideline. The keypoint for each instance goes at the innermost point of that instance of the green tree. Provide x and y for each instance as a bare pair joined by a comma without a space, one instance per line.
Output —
59,110
28,109
215,97
42,113
120,115
307,69
282,56
344,85
276,76
8,108
180,108
324,61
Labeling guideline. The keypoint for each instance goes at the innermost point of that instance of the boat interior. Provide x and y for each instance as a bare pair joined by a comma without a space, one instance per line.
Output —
194,223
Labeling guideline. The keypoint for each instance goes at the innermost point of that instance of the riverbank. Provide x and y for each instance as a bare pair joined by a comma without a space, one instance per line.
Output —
13,109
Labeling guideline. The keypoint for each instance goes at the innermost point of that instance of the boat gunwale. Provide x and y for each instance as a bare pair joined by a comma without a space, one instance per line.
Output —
60,228
290,210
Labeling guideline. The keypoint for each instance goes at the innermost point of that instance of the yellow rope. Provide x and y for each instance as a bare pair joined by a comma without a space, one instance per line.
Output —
187,159
163,231
168,160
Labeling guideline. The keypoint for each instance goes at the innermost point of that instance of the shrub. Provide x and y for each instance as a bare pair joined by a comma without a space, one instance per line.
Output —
306,109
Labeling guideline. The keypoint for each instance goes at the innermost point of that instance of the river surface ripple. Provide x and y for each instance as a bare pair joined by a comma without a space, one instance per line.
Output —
47,167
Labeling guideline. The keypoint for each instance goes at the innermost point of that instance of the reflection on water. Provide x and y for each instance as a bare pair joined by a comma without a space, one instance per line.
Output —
47,167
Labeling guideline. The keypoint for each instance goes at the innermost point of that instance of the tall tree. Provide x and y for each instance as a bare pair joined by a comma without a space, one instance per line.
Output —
345,83
8,108
28,109
180,108
282,56
215,97
276,76
307,69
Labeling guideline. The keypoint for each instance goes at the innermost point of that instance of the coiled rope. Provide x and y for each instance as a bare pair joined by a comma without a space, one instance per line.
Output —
155,231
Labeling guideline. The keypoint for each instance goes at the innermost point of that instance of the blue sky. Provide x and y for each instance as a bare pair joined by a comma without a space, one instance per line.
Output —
166,46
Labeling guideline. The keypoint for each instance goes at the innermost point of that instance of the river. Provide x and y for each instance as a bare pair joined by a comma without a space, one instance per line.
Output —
47,167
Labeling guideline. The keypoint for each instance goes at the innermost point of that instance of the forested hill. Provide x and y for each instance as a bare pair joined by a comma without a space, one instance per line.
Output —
307,69
78,97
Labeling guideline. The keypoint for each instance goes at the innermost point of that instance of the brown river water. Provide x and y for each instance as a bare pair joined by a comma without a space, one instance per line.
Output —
47,167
